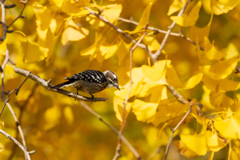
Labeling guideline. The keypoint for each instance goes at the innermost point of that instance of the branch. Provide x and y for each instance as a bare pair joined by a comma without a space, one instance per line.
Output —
159,51
15,141
118,149
156,30
20,15
113,129
140,45
173,131
49,87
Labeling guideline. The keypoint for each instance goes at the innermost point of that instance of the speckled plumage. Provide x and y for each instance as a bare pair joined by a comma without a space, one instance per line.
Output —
91,81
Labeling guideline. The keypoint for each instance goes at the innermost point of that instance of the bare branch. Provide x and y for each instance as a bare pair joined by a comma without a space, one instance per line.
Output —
140,45
49,87
113,129
27,157
159,51
173,131
20,15
15,141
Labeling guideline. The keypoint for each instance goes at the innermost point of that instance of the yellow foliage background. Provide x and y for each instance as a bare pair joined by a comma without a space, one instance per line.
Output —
59,38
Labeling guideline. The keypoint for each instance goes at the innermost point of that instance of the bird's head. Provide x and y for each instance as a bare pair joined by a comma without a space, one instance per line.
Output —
112,79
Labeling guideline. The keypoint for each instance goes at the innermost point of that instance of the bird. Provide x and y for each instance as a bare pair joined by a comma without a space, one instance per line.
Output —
90,81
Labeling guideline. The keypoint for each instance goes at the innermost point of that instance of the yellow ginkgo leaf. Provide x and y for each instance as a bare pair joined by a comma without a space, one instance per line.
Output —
196,143
144,19
229,127
193,81
122,51
184,150
221,69
118,107
152,43
58,3
214,142
231,51
72,34
222,6
144,110
43,16
73,7
172,78
220,101
197,33
176,6
33,52
211,51
113,13
190,19
105,52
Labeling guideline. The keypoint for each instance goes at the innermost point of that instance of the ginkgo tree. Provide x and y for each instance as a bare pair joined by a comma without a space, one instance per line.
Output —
177,67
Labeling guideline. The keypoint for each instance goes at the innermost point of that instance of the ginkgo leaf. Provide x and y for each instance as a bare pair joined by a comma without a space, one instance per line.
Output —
173,78
214,142
144,110
231,51
113,13
43,16
151,42
184,150
144,19
118,107
197,33
72,34
193,81
176,6
73,7
196,143
33,52
159,68
221,69
137,78
211,51
229,127
220,100
58,3
122,51
105,52
220,85
222,6
190,19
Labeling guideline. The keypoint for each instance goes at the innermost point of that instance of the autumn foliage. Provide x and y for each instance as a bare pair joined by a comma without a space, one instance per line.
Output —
177,65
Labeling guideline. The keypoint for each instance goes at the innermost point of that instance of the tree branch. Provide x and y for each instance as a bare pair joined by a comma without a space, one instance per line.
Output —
49,87
113,129
173,131
159,51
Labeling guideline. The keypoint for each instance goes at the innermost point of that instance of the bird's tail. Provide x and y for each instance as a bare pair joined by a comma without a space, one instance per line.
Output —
62,85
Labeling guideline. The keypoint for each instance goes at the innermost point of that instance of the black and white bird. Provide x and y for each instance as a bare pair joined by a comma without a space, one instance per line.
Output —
91,81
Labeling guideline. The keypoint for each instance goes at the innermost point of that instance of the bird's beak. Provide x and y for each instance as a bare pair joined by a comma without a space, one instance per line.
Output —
117,87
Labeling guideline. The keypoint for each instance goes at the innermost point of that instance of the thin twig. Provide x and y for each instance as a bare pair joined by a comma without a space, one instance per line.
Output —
49,87
159,51
156,30
173,131
27,157
22,107
20,15
102,18
136,154
15,141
